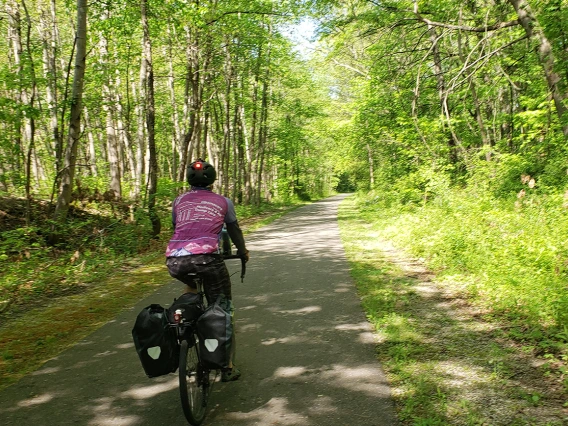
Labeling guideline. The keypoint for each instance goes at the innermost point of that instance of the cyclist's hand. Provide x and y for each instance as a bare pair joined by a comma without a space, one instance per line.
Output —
245,256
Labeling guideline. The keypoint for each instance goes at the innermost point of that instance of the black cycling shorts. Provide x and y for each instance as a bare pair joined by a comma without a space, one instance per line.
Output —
210,267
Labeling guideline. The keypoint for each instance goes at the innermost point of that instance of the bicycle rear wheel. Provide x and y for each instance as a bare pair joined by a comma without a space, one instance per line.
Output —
193,385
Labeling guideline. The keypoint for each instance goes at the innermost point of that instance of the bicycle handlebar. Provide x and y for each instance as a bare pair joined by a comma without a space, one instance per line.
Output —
243,263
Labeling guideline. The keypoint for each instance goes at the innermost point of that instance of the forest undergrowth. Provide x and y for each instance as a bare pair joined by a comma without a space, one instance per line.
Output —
469,297
103,260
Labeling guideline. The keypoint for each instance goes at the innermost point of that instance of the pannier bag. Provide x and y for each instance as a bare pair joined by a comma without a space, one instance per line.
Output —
190,305
215,332
155,341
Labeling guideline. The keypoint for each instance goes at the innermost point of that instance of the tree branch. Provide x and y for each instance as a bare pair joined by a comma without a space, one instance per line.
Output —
477,64
483,29
349,67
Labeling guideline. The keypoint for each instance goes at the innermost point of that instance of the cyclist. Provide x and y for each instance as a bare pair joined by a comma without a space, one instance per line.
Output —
198,217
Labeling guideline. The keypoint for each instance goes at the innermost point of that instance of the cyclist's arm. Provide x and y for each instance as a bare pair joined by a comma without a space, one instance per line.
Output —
237,238
234,230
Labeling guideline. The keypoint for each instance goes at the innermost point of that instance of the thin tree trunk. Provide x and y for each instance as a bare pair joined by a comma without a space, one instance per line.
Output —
30,122
175,117
192,90
111,134
125,138
15,36
48,22
141,129
92,156
441,86
150,124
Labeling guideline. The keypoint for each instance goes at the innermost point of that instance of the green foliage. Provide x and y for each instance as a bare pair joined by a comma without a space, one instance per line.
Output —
49,259
512,254
499,122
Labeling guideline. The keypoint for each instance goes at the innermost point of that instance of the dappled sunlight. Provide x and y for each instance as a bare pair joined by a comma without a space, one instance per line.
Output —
283,340
275,412
368,338
354,327
459,374
343,288
245,328
301,311
37,400
362,379
105,353
359,379
110,420
284,372
105,414
247,308
145,392
46,370
125,345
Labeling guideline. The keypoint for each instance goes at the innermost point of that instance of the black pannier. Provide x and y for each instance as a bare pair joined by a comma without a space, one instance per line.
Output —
190,305
215,332
155,341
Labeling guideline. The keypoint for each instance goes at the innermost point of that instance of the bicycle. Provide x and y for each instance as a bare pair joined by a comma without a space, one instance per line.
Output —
195,380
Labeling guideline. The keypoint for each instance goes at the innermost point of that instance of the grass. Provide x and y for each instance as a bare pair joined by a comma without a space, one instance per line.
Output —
39,334
40,326
448,360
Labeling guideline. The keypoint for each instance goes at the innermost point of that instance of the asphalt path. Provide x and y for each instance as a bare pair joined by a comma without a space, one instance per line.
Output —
304,347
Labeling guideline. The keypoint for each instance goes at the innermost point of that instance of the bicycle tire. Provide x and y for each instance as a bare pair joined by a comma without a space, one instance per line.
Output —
192,386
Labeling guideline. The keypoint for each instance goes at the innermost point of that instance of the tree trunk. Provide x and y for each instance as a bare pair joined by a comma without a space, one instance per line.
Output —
441,86
111,134
91,151
15,36
50,74
141,128
556,83
68,172
175,118
150,124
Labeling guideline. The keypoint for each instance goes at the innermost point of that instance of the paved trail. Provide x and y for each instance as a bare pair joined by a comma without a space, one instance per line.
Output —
304,347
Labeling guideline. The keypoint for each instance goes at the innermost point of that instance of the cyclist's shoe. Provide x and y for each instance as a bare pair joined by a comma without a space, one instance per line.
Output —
231,375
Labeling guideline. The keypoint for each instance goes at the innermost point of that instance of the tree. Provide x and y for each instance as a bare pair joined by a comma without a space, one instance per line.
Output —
150,120
74,136
557,83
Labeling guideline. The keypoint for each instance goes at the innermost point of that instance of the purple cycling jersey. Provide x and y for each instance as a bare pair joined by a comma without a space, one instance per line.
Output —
198,217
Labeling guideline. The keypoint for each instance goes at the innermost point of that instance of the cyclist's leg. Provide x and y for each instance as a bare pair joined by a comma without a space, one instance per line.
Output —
217,281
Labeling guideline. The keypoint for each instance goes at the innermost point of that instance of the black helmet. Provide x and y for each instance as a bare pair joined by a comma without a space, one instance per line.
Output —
201,173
